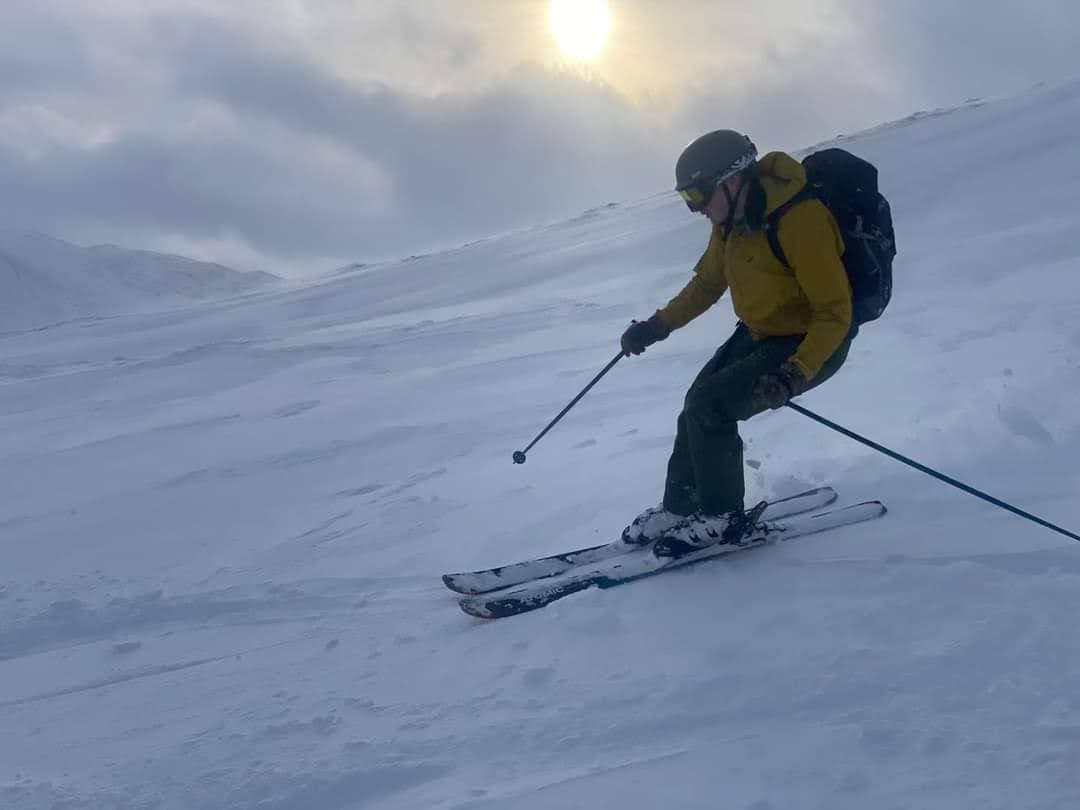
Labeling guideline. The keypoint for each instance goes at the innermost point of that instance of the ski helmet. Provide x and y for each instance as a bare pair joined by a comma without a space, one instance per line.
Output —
711,159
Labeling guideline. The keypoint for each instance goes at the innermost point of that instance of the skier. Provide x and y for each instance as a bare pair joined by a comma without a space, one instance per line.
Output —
795,327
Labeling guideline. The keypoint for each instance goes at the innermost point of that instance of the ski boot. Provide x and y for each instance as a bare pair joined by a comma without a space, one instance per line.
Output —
654,522
701,531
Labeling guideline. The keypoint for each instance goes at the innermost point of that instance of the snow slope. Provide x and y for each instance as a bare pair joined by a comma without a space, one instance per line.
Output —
222,528
45,281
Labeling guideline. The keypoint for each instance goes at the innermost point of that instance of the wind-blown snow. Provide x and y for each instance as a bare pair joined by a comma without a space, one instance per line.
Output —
222,528
45,281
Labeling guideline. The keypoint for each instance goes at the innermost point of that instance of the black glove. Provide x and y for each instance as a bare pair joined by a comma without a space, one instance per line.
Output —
774,389
644,333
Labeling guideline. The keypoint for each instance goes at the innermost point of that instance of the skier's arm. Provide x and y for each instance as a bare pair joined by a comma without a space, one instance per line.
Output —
813,245
704,289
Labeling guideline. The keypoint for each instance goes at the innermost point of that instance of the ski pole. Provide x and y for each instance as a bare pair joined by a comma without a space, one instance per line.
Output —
931,472
519,455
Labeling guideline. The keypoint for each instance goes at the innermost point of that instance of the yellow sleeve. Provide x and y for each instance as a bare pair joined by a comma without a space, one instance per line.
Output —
813,245
703,290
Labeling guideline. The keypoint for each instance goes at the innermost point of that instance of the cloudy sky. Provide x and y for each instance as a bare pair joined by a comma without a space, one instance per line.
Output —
299,135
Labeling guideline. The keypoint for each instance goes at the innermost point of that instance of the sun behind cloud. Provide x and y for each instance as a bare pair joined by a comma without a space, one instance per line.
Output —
580,27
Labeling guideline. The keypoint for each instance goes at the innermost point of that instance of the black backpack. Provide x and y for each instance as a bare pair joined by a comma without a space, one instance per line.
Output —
847,185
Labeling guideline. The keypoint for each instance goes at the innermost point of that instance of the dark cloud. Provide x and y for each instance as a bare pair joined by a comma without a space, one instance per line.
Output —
306,163
202,188
40,53
165,128
944,52
827,98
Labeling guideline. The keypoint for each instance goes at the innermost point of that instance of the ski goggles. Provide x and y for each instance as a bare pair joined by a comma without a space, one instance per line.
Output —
697,197
699,194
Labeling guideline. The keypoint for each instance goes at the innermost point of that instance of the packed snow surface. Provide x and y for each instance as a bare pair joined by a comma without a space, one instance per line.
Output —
223,525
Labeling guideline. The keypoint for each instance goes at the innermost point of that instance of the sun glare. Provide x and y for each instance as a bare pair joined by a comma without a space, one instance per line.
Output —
580,27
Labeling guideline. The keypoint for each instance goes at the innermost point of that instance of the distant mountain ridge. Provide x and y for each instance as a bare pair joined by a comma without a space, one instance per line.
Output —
44,280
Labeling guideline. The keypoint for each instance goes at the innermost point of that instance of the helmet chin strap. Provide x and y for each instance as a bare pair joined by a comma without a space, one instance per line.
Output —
729,223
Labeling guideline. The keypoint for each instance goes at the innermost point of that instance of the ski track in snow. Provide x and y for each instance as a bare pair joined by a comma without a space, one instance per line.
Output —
223,528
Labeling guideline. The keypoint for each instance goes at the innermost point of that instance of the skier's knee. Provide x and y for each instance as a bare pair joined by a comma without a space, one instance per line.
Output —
705,409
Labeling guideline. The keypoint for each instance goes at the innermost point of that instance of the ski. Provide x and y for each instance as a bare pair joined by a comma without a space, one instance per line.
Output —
641,563
493,579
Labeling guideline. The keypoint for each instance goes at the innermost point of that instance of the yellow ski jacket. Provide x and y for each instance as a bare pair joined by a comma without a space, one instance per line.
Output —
813,298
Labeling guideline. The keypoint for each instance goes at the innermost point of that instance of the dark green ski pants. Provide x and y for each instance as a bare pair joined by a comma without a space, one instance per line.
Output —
706,467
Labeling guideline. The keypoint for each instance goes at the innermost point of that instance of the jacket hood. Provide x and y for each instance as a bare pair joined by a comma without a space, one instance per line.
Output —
782,177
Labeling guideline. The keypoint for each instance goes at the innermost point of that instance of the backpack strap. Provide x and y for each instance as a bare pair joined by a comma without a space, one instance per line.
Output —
772,225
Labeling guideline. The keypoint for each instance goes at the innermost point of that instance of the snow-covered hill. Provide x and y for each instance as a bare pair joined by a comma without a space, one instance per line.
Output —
223,527
44,281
